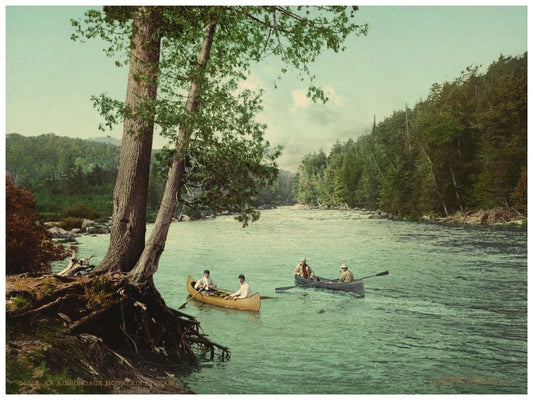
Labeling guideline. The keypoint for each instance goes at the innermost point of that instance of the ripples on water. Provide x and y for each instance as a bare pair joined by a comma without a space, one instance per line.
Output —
450,318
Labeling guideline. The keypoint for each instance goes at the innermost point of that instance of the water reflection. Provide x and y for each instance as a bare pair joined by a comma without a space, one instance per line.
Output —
206,309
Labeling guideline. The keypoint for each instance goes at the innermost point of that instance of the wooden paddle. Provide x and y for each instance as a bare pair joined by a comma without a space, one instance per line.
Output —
262,297
380,274
304,285
190,298
229,292
279,289
311,284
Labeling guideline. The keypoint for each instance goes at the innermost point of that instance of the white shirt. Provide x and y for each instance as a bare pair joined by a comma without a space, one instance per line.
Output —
205,282
243,292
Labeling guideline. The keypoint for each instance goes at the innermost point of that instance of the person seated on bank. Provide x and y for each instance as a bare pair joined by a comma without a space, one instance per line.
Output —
205,283
346,275
243,292
304,270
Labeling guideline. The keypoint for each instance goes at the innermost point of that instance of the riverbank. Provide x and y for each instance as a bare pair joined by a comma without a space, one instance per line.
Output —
81,335
493,216
46,361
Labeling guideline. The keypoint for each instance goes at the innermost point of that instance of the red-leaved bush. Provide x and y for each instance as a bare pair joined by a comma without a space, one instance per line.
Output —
28,246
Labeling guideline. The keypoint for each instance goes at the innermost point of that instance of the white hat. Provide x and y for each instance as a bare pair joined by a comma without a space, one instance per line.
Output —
343,266
303,260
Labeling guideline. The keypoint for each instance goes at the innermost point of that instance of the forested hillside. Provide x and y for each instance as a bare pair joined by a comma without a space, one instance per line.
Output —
64,173
35,158
464,147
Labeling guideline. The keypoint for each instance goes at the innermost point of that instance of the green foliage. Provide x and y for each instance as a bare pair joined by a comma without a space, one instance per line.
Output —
94,199
248,215
63,172
245,34
311,186
279,193
70,223
226,173
228,160
80,211
20,302
34,159
464,147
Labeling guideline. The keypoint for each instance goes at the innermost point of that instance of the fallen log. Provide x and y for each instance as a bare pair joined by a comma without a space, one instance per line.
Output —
77,266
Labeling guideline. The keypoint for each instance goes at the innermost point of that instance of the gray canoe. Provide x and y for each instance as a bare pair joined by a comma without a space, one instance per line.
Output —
356,286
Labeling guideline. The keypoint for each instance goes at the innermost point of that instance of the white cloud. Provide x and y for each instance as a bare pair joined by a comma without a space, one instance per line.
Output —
334,97
299,100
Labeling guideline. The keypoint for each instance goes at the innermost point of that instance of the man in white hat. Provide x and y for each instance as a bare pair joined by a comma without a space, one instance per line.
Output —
346,275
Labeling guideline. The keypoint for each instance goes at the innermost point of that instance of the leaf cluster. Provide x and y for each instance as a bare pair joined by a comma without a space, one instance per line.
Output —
228,158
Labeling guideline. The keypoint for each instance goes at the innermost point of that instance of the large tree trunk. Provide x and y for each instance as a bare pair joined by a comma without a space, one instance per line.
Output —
131,187
149,260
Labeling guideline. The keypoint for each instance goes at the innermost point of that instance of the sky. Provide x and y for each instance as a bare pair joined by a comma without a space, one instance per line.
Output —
49,79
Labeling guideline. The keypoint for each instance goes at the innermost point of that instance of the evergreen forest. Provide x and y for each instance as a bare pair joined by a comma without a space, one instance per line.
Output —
462,148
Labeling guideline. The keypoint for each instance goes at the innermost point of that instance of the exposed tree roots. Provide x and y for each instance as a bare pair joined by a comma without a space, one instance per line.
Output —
113,316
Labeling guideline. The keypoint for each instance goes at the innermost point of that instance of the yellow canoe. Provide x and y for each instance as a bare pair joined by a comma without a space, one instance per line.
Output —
252,303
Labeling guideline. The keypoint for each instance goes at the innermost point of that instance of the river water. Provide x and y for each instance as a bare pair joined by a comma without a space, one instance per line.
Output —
450,318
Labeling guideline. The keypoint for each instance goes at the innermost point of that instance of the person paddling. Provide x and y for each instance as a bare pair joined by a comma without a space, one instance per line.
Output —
205,283
243,292
346,275
304,270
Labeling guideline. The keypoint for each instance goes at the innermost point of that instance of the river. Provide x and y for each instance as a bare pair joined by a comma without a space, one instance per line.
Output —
450,318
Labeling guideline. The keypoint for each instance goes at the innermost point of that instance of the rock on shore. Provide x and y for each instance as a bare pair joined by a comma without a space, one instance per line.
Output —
60,233
494,216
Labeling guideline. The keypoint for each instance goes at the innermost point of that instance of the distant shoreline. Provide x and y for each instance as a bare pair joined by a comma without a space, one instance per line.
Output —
493,216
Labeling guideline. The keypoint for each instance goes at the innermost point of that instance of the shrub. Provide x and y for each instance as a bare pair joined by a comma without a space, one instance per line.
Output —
71,223
80,211
28,246
49,216
97,230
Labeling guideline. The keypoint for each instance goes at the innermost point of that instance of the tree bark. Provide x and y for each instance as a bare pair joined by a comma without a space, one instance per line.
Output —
435,184
131,187
149,260
457,195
